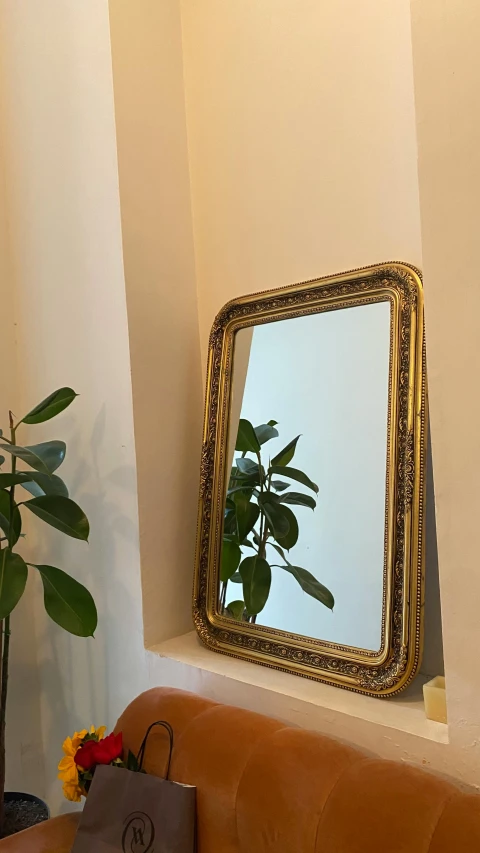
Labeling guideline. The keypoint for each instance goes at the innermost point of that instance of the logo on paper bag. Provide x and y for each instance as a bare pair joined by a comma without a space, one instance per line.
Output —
138,834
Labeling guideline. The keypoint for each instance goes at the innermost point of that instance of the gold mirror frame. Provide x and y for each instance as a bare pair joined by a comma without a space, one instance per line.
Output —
383,673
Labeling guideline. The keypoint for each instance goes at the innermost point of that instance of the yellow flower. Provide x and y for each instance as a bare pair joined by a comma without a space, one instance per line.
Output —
67,767
72,792
100,732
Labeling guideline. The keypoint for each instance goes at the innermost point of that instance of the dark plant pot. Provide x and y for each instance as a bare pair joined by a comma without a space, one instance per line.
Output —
22,811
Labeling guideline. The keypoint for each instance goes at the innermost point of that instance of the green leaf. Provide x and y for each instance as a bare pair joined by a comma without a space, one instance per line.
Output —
230,523
67,602
279,486
236,578
290,538
311,585
132,763
257,577
298,499
272,423
42,484
62,513
276,516
35,483
247,515
45,457
248,467
265,432
231,556
7,480
279,551
247,441
51,406
13,577
294,474
244,481
248,492
5,517
2,460
285,455
236,608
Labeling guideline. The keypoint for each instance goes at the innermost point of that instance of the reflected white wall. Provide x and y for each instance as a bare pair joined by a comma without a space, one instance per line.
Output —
326,377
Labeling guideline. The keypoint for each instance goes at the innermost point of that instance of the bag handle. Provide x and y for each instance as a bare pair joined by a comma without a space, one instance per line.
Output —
141,751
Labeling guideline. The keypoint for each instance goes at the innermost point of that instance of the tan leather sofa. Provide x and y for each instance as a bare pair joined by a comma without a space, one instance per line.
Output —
264,787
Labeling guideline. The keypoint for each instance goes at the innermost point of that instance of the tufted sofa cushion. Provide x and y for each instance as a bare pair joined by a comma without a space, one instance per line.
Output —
264,787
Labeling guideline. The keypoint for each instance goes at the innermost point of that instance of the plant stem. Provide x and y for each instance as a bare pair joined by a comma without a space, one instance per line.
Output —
223,596
6,642
3,705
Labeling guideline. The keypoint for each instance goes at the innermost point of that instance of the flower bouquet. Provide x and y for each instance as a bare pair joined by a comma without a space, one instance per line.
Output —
125,810
83,753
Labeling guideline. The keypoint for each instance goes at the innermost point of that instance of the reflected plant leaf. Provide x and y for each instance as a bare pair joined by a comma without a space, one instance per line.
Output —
298,499
294,474
248,467
254,496
276,516
246,514
247,441
257,577
290,538
236,609
310,585
279,485
236,578
286,455
231,556
265,432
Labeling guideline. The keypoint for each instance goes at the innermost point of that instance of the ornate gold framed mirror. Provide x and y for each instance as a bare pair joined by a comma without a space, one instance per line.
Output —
309,543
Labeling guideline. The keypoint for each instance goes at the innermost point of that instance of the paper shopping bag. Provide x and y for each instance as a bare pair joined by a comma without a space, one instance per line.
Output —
134,812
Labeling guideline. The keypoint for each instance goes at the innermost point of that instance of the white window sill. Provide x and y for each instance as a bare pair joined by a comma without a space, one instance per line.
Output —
304,700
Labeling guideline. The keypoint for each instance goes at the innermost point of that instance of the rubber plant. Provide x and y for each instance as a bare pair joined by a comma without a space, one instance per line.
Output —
30,484
259,519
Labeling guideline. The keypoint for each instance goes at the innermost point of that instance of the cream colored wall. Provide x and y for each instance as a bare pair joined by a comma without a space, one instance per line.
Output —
25,760
301,131
303,160
65,239
243,343
302,153
161,301
447,81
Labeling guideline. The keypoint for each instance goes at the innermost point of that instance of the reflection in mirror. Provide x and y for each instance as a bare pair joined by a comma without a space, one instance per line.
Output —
304,514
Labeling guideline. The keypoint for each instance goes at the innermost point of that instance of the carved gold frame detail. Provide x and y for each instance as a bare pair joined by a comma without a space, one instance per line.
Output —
392,668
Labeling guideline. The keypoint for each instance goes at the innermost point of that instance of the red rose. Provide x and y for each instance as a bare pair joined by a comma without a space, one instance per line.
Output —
99,752
108,749
84,756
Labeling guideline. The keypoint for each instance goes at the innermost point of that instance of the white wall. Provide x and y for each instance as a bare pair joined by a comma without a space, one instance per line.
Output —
447,79
301,130
25,759
65,240
325,378
303,161
161,301
303,155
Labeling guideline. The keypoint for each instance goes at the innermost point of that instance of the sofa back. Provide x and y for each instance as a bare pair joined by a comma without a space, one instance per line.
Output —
266,787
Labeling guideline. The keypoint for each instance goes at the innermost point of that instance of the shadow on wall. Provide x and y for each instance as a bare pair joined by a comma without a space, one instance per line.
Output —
433,648
82,680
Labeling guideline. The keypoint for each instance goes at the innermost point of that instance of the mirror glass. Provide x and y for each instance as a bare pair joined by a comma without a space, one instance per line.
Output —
303,547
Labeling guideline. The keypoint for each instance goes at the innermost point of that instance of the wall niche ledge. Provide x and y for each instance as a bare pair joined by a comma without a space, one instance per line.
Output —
356,718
